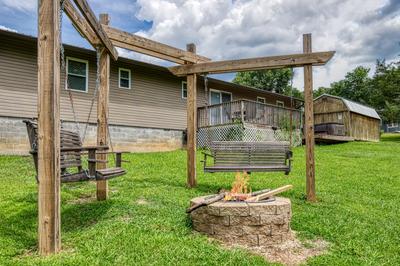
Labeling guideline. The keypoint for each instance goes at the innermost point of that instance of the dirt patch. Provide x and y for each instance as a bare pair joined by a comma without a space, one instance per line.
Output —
292,252
142,201
83,199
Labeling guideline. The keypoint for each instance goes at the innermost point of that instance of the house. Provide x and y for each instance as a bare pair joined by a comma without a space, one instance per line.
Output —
358,121
147,104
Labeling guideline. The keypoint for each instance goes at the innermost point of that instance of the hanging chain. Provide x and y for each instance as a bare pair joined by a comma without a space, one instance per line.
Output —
291,87
206,87
98,53
60,16
64,68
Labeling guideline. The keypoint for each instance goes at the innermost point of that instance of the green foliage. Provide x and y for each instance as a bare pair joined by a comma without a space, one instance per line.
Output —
144,221
276,80
381,91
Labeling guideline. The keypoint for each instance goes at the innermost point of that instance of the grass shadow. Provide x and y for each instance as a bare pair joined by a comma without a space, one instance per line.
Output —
75,217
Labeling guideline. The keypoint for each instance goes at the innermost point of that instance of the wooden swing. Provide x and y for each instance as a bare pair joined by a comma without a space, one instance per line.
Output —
251,156
71,151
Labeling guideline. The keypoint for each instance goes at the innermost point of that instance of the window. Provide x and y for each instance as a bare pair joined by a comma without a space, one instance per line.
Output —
260,99
280,103
124,78
77,71
184,90
217,97
340,117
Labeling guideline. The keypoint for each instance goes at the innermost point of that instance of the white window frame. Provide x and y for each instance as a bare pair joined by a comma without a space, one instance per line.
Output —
227,92
119,78
280,103
263,98
183,82
86,77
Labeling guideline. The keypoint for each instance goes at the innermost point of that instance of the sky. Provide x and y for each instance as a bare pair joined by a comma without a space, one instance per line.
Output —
360,31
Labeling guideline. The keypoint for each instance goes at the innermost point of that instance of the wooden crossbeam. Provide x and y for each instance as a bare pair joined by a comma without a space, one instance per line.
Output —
89,15
271,62
147,52
146,46
81,25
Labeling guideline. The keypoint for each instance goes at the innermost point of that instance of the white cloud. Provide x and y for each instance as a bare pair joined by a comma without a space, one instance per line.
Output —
21,5
359,30
7,28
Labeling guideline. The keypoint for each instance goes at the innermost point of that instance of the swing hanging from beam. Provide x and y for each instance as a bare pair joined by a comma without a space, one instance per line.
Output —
71,149
251,156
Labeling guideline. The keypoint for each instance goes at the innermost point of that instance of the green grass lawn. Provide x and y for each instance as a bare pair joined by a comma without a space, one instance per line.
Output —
144,222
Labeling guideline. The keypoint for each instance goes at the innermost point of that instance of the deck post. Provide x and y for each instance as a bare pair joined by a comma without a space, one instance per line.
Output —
102,112
309,122
49,127
191,124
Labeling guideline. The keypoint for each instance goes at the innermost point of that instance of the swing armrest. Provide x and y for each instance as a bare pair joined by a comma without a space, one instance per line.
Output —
205,158
207,154
87,148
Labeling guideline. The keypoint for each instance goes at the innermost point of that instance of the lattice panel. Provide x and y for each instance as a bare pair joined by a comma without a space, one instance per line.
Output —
247,132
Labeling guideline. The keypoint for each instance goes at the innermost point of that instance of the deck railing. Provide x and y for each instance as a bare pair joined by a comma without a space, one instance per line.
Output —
245,111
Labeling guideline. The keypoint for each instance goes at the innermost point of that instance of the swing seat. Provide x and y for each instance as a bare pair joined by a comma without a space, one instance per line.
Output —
71,151
233,156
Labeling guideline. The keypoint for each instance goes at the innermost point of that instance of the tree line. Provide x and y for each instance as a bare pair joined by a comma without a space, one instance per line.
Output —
380,91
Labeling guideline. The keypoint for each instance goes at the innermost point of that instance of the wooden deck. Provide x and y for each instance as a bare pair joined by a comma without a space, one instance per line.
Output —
325,138
246,111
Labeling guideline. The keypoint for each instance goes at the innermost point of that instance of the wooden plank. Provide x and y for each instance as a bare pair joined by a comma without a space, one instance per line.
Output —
81,25
191,125
331,138
147,52
309,122
153,48
269,193
102,114
49,127
88,13
270,62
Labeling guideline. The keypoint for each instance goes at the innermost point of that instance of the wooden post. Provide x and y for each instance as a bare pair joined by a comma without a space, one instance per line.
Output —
309,122
191,124
102,112
49,127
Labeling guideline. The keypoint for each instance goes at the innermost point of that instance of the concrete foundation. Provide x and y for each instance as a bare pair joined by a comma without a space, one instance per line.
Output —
14,138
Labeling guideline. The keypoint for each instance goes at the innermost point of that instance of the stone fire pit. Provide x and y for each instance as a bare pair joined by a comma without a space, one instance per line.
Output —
263,223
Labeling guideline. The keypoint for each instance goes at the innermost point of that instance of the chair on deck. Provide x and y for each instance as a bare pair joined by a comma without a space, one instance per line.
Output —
71,150
233,156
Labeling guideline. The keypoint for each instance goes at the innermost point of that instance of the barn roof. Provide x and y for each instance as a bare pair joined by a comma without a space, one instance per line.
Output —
356,107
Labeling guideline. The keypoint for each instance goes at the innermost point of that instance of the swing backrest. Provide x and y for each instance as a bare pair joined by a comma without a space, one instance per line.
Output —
68,139
242,153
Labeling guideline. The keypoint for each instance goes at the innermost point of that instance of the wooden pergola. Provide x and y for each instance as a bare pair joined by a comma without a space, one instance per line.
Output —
102,36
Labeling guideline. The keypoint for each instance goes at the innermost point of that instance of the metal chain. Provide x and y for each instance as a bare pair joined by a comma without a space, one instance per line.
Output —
63,66
98,52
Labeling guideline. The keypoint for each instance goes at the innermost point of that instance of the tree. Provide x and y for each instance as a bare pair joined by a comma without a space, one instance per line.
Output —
355,86
385,95
276,80
320,91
